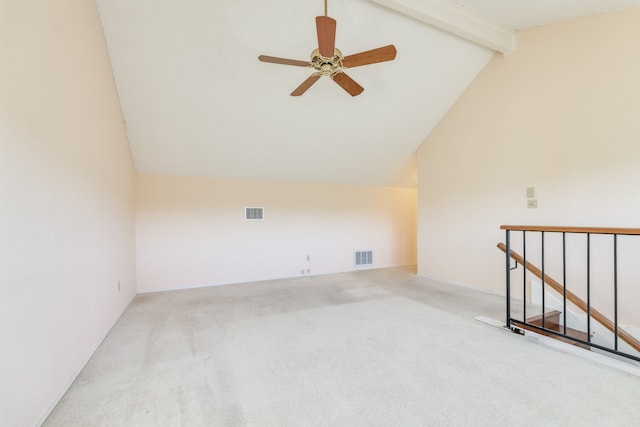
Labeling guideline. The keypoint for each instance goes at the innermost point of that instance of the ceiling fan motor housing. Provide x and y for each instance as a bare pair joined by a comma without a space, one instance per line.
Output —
326,66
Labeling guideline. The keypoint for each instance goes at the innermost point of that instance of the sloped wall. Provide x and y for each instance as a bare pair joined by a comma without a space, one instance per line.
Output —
562,115
66,201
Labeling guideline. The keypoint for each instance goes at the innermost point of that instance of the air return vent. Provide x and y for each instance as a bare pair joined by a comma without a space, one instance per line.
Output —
364,257
254,214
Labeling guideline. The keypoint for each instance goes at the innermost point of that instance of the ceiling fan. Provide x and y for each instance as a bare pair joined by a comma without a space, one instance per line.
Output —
328,61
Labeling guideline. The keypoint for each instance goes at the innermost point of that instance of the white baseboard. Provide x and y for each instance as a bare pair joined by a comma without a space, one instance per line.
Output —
351,270
466,286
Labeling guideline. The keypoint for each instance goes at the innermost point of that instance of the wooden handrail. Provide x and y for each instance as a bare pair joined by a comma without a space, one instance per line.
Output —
576,300
555,229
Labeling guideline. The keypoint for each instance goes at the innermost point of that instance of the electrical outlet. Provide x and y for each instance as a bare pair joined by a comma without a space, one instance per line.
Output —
532,203
308,257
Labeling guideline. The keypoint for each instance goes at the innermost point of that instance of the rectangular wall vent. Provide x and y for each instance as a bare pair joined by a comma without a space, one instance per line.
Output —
254,214
364,257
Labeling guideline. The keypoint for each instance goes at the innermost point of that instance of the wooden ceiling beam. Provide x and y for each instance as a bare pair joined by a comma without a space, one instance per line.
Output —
456,20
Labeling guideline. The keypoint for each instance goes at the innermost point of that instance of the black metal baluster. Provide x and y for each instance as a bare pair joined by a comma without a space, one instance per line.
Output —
543,312
508,264
589,287
564,282
524,275
615,291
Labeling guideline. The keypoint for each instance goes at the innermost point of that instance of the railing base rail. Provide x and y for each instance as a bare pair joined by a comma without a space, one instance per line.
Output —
524,326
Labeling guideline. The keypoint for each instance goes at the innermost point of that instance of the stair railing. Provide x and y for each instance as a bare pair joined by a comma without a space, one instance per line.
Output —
560,288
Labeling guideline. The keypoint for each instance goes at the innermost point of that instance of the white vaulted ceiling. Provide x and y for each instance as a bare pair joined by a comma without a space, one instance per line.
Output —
196,100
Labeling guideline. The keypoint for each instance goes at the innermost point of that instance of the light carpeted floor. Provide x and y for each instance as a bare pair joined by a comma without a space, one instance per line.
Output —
371,348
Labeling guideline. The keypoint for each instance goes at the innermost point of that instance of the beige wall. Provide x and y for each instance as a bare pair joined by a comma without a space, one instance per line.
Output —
562,114
191,231
66,201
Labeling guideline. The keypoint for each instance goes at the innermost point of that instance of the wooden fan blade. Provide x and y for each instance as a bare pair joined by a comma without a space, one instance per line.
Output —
381,54
306,84
326,28
284,61
347,83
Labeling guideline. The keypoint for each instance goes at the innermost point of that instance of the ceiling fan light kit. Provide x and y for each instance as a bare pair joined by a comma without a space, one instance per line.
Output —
327,60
